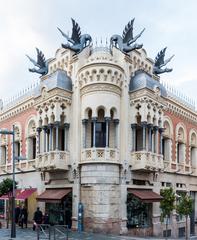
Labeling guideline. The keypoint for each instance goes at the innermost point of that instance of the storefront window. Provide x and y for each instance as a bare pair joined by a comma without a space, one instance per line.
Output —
2,208
60,213
138,213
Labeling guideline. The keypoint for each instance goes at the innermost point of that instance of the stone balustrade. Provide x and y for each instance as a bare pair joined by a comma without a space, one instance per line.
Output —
147,161
53,160
103,155
21,166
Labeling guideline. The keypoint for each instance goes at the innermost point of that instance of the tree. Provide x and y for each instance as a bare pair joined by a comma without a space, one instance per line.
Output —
6,187
167,205
184,207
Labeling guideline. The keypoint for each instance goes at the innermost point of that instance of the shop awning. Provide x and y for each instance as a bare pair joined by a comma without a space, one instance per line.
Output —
6,196
24,194
53,195
147,196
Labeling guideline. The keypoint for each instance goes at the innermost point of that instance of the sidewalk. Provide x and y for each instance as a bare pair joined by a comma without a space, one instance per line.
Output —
29,234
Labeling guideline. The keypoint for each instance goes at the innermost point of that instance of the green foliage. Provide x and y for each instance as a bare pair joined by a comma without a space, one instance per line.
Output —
6,186
184,206
167,203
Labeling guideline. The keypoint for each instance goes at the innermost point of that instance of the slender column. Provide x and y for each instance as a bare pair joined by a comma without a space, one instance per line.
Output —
150,126
133,126
161,130
144,125
57,135
50,137
116,123
107,120
155,139
94,119
38,139
66,127
45,136
84,123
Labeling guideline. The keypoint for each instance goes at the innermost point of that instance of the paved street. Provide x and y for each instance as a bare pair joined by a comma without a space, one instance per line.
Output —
27,234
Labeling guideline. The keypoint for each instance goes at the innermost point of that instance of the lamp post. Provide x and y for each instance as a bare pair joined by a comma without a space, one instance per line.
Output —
13,225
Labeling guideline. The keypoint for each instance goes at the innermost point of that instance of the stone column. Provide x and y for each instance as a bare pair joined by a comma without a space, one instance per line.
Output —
150,126
107,120
50,137
116,122
84,123
144,125
155,128
161,130
57,135
45,136
39,129
133,126
94,119
66,127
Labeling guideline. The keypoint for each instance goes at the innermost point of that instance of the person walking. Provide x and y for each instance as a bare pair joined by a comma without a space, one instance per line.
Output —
17,213
38,216
23,217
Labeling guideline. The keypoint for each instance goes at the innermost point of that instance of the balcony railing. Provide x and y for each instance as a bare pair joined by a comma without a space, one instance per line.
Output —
147,161
103,155
54,160
21,166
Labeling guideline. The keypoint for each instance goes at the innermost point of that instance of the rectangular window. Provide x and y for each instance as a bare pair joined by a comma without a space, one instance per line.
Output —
100,134
34,148
17,149
3,154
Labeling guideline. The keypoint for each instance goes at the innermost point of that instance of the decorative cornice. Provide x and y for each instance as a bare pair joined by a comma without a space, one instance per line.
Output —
105,87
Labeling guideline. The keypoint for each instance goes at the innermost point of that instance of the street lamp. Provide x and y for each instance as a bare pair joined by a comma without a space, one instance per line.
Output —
7,132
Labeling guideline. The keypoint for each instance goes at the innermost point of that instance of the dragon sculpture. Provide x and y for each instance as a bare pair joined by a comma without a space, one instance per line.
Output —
77,42
41,63
126,43
159,63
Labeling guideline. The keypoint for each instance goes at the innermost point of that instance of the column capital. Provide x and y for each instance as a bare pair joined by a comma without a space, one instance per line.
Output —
116,121
133,125
57,123
67,125
161,130
150,125
155,128
84,121
45,128
51,125
144,124
107,119
94,119
39,129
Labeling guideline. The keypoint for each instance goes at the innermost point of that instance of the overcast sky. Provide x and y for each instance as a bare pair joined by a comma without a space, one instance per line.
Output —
26,24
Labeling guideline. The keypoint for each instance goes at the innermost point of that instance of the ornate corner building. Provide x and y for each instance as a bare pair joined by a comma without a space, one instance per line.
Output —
102,130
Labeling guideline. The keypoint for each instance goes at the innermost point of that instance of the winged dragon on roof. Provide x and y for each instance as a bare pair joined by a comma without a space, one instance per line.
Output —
126,42
77,42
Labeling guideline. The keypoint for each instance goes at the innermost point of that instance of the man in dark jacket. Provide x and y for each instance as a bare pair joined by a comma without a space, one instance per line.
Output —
23,216
37,218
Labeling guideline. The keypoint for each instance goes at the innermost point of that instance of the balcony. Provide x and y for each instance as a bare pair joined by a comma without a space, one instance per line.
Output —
21,166
54,160
100,155
146,161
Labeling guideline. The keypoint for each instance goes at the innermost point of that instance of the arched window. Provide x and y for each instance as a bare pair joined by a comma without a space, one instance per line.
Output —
180,149
17,142
31,140
100,130
167,141
139,134
4,147
193,149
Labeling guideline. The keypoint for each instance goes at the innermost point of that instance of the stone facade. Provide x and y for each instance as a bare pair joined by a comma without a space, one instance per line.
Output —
102,124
